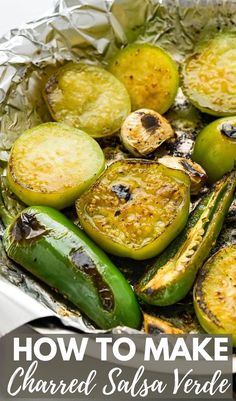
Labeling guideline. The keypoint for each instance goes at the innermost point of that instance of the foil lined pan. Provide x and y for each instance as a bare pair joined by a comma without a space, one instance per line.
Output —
93,31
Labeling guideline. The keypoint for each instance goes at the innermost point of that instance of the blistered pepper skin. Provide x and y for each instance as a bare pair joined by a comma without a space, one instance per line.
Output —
53,249
173,273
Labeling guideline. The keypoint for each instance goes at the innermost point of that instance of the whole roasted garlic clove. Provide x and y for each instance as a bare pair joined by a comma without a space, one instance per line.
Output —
144,131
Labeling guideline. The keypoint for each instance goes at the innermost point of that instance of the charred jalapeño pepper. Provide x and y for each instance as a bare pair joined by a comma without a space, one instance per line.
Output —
53,249
173,272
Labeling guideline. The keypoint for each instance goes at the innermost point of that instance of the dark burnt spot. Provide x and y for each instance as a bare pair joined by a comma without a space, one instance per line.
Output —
150,122
122,191
228,130
187,166
152,329
195,56
149,291
117,213
86,265
27,228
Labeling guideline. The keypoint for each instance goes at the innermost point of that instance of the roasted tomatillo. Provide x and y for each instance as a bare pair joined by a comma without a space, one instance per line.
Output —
215,293
136,208
52,164
209,75
87,97
149,74
215,148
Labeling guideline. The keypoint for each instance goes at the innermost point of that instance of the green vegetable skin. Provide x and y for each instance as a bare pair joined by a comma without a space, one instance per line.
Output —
174,271
52,248
215,148
214,293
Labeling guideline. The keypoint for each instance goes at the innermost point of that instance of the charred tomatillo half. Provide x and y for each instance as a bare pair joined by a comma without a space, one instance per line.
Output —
52,164
144,131
135,208
149,75
215,148
209,75
87,97
215,293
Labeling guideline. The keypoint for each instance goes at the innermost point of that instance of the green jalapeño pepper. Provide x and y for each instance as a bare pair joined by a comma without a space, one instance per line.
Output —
173,272
53,249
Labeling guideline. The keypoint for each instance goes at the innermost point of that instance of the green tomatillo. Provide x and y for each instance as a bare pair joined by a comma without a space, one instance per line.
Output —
215,148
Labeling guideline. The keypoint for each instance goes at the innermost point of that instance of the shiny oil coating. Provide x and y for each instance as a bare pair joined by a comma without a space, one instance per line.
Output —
133,205
209,75
87,97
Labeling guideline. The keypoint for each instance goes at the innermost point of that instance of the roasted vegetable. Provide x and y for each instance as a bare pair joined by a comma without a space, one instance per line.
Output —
144,131
87,97
113,153
52,164
173,273
155,325
53,249
178,320
135,208
209,75
215,148
195,172
149,74
215,293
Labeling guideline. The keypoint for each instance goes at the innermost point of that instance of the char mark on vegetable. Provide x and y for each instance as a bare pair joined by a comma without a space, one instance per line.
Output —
122,192
201,299
150,122
229,130
27,228
154,330
191,170
85,264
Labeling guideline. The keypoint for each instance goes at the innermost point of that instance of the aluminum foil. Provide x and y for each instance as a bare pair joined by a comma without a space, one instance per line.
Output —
93,31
